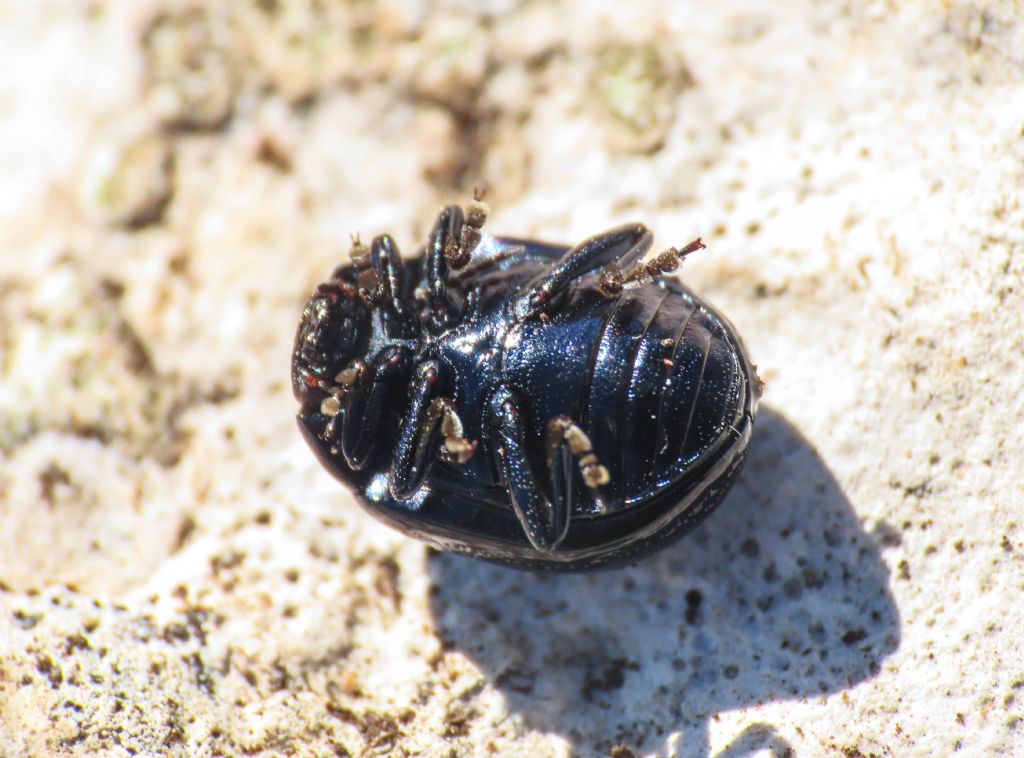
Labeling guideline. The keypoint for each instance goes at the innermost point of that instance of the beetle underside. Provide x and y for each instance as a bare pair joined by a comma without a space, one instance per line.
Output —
384,414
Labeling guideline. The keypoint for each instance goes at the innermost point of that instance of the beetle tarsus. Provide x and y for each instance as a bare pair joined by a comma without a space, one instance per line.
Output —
367,277
614,280
562,431
359,253
456,448
475,217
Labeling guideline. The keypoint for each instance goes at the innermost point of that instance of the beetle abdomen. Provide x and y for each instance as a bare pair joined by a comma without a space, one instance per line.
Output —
703,392
665,383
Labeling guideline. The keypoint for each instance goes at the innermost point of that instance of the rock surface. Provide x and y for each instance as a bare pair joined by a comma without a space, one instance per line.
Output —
178,575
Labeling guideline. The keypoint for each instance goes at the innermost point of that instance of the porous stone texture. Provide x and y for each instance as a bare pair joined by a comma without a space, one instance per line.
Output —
177,573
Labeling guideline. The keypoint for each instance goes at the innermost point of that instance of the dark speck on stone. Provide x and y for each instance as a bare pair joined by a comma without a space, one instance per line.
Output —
887,535
693,601
854,636
793,588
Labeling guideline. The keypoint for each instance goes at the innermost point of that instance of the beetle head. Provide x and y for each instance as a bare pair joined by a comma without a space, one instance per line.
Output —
334,330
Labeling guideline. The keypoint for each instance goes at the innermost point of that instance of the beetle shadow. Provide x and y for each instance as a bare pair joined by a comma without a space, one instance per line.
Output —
780,594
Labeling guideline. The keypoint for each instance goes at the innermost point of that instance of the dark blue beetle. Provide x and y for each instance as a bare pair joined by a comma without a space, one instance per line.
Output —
530,404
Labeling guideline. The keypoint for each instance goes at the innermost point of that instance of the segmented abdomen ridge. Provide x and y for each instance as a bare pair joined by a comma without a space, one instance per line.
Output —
664,384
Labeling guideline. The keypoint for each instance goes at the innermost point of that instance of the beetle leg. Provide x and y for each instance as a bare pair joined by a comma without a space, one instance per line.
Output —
412,462
444,242
545,525
429,418
379,282
621,246
366,403
456,234
545,521
387,266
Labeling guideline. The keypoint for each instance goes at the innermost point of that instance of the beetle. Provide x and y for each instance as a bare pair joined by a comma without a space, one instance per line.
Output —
537,405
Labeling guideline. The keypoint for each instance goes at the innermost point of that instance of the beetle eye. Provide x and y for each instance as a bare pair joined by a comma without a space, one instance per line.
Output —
334,330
